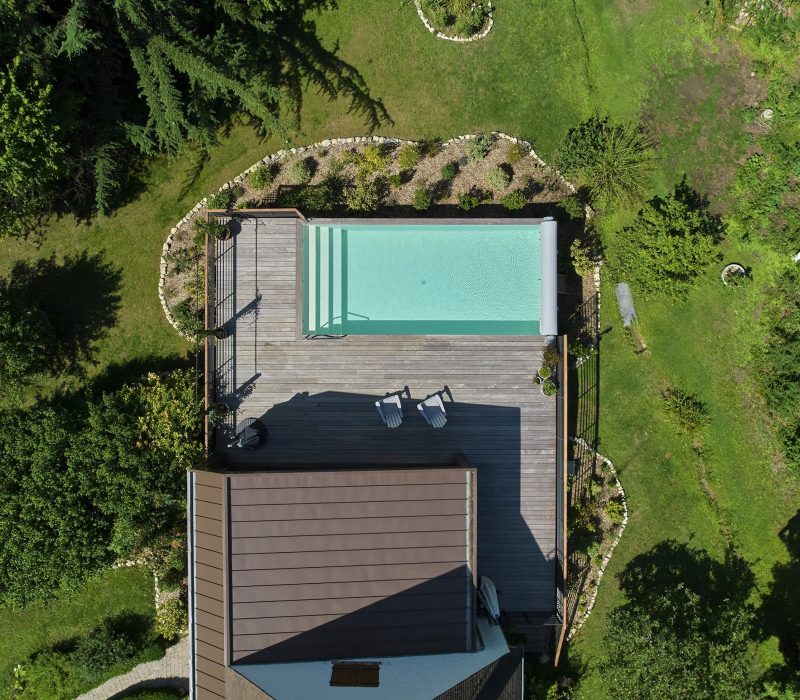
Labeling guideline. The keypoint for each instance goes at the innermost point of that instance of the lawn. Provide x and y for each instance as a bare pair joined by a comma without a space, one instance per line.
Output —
542,69
41,626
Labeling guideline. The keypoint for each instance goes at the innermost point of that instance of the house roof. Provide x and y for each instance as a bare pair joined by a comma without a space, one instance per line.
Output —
300,565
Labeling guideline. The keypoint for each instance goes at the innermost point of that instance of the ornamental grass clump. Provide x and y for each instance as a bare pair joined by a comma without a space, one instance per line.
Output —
686,411
300,172
514,201
479,147
408,157
261,178
499,177
449,171
422,197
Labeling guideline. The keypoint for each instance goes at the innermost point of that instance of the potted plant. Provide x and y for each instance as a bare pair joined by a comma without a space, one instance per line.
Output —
221,231
544,373
219,333
216,413
549,388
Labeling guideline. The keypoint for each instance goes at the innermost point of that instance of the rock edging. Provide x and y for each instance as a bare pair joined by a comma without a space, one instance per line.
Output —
199,208
461,39
601,570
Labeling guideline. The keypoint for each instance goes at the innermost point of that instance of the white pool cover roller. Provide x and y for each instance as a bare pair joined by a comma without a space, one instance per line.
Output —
548,320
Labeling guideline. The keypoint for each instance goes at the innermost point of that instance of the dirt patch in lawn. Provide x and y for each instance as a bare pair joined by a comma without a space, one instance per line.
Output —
695,112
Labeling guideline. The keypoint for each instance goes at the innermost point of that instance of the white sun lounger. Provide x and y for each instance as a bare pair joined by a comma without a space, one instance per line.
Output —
432,410
390,410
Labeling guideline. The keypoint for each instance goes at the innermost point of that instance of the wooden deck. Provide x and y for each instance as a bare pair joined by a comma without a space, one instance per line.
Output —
316,398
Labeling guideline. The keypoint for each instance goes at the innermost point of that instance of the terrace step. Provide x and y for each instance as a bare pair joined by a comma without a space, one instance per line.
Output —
324,288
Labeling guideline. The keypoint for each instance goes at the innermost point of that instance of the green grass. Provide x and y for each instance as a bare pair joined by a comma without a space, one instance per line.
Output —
702,345
41,626
543,68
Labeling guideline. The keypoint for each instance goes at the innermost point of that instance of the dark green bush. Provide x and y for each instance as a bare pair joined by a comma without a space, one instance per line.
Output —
468,201
103,648
395,180
299,172
686,411
514,201
261,178
479,147
408,157
468,23
572,207
311,198
612,160
180,260
499,177
449,171
187,318
671,242
422,199
221,200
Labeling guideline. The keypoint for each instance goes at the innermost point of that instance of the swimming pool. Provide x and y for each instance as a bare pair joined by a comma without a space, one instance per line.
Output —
429,278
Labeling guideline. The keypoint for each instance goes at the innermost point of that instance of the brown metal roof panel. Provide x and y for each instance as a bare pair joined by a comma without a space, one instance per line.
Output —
207,682
329,543
206,478
359,557
386,572
333,511
347,494
208,557
209,605
207,526
207,541
207,510
204,572
210,668
209,620
204,694
342,526
209,651
353,477
327,590
214,637
209,589
210,494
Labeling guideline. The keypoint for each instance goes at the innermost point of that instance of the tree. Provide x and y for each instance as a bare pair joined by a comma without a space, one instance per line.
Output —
671,242
684,630
29,150
613,161
26,337
136,447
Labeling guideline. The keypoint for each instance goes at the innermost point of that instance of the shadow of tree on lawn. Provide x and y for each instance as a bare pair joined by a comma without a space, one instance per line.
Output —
79,296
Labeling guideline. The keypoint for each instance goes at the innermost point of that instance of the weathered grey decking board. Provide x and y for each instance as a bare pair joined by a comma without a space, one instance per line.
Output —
316,398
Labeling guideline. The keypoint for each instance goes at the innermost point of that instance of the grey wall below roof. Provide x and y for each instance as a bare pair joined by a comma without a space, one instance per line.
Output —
323,566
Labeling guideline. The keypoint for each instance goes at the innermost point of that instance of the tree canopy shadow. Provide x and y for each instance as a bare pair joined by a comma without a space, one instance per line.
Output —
79,297
780,612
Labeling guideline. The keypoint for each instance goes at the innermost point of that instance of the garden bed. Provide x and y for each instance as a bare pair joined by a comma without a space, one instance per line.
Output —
494,175
456,20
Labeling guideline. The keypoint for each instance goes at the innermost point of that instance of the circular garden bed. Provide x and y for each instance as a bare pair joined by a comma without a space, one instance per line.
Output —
491,175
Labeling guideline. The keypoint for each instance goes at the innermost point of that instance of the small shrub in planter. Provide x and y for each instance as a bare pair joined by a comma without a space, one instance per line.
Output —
221,200
449,171
549,388
515,153
550,355
371,161
261,178
468,23
395,180
408,157
545,372
615,511
582,259
180,260
187,318
171,618
363,195
468,201
479,147
514,201
216,413
300,172
499,178
422,197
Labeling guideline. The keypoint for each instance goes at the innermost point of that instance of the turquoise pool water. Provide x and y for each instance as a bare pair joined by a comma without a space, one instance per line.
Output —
421,279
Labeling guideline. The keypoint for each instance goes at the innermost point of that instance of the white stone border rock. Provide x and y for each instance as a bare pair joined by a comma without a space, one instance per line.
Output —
199,209
607,557
460,39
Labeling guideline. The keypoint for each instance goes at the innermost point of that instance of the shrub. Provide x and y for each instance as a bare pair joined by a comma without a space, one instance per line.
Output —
187,318
300,172
449,171
514,201
221,200
615,511
395,180
550,355
515,152
582,256
572,207
670,243
479,147
408,157
585,518
103,648
363,195
372,160
468,23
685,410
549,388
422,197
180,260
468,201
171,618
261,178
498,177
213,228
612,160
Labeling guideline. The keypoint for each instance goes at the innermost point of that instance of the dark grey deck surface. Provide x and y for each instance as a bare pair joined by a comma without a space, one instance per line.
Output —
316,398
